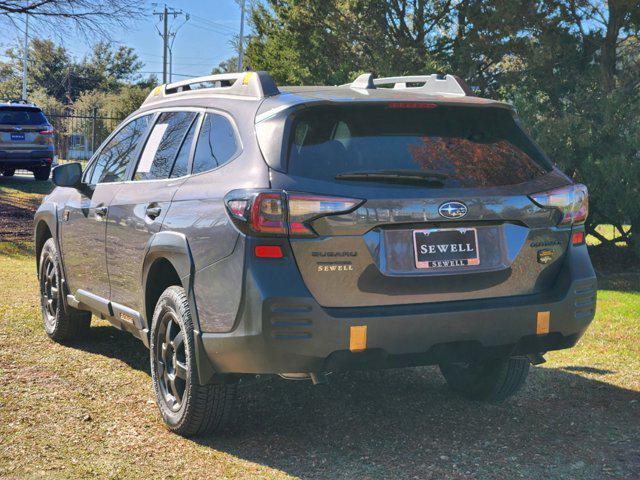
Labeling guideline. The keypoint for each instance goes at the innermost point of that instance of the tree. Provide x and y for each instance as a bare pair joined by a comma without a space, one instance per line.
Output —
49,66
107,68
570,66
226,66
52,70
88,16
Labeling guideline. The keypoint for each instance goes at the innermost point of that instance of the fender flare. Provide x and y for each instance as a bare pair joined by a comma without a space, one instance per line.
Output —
174,247
47,214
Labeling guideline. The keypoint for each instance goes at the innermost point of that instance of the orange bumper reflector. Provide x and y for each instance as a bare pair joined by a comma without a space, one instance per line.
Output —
543,323
577,238
358,338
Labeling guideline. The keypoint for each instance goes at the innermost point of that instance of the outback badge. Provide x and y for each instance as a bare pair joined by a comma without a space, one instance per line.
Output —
545,255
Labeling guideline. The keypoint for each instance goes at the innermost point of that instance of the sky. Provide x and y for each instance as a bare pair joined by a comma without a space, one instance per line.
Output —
200,44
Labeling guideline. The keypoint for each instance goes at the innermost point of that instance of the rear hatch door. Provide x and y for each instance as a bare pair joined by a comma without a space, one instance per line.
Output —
20,129
445,212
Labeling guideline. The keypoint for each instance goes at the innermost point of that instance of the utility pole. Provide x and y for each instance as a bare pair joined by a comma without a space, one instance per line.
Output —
25,57
166,34
165,44
241,42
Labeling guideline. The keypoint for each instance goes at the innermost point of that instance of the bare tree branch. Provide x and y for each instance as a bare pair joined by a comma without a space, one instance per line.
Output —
89,17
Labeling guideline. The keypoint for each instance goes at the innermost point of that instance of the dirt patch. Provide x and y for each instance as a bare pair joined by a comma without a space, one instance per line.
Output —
16,221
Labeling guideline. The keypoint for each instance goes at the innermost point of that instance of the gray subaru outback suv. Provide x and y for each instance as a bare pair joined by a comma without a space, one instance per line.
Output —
238,228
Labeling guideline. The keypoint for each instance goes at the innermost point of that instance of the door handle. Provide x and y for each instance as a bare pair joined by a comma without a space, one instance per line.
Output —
101,211
153,212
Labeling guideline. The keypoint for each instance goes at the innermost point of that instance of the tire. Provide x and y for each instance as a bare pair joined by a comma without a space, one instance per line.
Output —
42,173
10,172
492,380
187,408
61,322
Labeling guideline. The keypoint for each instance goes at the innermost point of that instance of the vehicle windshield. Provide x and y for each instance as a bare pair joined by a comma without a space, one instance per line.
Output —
21,116
465,146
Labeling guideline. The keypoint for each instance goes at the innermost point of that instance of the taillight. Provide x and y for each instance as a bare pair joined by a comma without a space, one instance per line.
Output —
267,214
305,208
278,213
572,202
48,131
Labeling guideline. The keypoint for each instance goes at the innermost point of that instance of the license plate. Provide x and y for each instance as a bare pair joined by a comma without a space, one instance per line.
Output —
17,136
446,247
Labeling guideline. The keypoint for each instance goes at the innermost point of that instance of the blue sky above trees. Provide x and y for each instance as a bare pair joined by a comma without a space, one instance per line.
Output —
201,43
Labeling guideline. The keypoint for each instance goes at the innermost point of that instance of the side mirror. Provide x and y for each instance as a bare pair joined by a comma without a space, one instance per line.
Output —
67,175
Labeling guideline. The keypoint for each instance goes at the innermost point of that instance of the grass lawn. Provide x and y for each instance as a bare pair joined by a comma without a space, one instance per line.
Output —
87,409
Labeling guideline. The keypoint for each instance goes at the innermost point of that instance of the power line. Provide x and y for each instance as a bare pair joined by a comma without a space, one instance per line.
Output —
213,23
211,29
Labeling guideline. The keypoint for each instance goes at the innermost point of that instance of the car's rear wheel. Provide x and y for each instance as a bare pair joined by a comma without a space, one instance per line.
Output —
61,322
8,172
491,380
42,173
187,407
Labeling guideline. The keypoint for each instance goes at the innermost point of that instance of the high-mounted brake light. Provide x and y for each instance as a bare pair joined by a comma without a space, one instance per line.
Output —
278,213
412,105
572,202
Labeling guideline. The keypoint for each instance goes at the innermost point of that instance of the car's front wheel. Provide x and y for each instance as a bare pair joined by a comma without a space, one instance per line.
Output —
491,380
187,407
8,172
42,173
61,322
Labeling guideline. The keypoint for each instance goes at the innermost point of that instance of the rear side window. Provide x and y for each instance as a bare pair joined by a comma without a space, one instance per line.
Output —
165,139
111,164
181,165
217,143
467,146
21,116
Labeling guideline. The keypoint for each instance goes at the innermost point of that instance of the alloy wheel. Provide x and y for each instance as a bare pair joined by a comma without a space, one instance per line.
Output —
171,363
50,285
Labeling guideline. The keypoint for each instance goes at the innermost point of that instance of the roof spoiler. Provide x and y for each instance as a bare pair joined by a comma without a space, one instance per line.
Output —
434,84
246,84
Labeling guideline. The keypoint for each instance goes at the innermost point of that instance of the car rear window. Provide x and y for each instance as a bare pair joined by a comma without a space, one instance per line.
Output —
21,116
468,146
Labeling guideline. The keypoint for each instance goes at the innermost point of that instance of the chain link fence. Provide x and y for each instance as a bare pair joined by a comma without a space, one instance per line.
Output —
79,132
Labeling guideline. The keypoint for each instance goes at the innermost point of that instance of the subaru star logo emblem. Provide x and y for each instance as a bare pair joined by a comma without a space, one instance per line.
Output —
453,210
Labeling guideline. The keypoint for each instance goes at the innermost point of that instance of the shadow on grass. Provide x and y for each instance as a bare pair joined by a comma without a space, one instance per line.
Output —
407,424
113,343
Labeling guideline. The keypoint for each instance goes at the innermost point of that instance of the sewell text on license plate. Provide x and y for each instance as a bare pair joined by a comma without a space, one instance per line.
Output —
446,247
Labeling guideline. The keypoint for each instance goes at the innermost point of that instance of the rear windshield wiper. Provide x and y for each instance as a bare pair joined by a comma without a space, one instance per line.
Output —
397,176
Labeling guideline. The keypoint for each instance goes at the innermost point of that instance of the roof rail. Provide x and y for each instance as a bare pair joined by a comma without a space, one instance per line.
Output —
248,84
434,84
17,101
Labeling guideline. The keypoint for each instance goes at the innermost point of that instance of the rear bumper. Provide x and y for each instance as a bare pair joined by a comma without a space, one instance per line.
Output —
286,334
26,159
